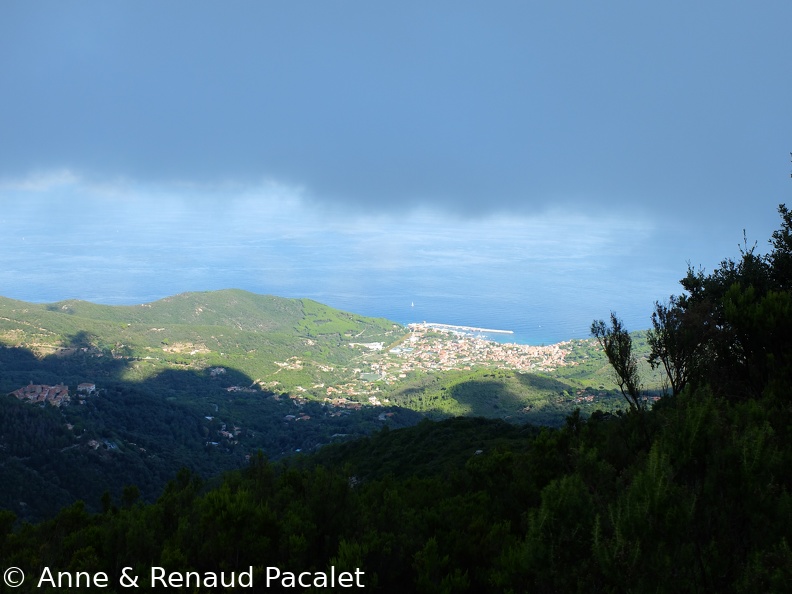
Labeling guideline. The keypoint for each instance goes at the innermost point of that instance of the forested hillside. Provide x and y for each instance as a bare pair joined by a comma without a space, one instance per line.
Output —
96,398
173,387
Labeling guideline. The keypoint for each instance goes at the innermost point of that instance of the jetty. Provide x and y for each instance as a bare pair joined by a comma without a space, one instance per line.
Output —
455,328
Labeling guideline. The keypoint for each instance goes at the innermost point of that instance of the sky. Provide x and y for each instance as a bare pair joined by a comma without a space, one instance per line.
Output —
671,119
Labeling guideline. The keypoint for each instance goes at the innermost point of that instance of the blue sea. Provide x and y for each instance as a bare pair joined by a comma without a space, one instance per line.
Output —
544,278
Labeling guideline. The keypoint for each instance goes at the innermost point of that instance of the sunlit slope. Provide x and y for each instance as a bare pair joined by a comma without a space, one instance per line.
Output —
230,328
230,307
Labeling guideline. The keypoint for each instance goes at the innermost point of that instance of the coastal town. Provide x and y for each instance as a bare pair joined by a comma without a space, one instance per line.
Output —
433,348
430,348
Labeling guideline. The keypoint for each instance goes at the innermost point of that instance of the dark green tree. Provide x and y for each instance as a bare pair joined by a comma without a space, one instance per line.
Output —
617,344
672,344
729,328
780,258
129,496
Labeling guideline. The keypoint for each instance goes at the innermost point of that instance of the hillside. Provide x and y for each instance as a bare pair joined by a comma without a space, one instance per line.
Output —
248,332
204,380
178,382
275,345
693,497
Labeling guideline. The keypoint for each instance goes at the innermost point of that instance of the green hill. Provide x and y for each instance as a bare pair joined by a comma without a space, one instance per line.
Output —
204,380
200,380
229,328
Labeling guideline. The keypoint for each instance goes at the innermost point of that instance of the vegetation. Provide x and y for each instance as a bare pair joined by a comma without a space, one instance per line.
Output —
538,398
197,331
176,388
617,344
690,495
163,372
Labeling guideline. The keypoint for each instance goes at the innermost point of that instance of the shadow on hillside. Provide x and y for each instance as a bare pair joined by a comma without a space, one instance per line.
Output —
522,398
487,398
562,399
142,431
540,383
78,360
126,432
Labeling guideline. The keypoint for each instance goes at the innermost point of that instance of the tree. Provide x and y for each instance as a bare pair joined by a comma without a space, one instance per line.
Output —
730,328
672,345
617,344
780,257
129,496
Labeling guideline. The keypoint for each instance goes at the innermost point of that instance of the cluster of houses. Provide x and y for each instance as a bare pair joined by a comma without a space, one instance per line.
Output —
57,395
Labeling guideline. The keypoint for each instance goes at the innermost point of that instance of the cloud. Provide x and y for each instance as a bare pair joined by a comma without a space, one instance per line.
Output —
42,181
233,220
276,208
388,109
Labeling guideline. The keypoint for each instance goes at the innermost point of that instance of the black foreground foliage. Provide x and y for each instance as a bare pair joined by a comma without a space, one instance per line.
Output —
692,495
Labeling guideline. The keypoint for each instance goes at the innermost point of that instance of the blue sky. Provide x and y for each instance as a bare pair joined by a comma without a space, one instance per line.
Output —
672,119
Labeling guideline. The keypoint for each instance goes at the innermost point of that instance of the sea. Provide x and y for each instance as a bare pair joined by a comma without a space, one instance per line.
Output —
544,279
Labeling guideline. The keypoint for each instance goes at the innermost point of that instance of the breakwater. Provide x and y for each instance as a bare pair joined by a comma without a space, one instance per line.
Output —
453,327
